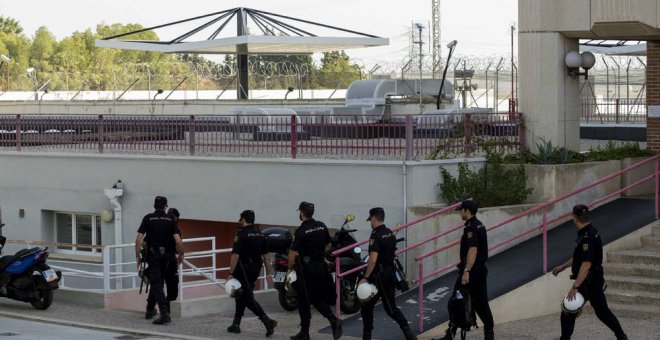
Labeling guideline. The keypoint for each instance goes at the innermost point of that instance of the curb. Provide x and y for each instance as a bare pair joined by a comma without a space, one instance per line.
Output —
129,331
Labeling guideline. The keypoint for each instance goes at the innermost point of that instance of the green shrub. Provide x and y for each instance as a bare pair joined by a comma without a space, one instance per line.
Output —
549,154
612,151
492,185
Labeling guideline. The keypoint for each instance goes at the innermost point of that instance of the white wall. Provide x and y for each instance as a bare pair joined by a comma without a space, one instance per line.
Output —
214,189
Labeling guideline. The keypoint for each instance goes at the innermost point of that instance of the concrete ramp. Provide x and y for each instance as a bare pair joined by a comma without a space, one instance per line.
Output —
511,269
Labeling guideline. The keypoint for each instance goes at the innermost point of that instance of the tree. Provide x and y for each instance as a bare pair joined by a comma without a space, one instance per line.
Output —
336,69
10,26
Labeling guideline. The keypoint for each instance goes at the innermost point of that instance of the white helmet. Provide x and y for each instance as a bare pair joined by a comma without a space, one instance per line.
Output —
574,306
291,277
233,288
366,291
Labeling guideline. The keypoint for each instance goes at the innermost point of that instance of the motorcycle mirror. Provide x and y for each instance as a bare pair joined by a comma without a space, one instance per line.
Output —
357,250
350,217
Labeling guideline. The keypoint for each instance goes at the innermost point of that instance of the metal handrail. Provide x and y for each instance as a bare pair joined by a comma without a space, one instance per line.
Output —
542,226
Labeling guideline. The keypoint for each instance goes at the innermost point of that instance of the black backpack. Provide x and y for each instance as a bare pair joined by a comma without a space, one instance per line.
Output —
460,309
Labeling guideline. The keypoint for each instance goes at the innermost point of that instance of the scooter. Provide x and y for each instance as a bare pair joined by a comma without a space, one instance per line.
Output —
29,278
278,242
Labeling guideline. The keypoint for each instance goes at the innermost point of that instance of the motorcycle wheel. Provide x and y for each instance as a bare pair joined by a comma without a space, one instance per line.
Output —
287,302
349,304
45,299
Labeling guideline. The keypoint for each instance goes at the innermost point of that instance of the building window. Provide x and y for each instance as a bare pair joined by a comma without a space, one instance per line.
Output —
75,230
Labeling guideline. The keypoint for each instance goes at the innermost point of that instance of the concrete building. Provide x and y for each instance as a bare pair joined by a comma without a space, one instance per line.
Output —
549,96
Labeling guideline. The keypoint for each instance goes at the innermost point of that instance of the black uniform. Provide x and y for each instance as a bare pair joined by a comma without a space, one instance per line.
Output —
171,279
474,235
383,242
250,246
309,241
589,247
160,229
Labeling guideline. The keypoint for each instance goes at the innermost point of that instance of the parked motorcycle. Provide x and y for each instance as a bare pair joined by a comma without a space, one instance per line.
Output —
278,242
30,279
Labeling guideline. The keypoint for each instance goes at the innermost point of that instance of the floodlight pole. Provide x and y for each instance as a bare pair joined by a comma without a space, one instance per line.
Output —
242,56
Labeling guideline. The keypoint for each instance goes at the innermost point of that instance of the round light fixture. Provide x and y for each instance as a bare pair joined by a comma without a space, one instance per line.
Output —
588,60
107,215
573,59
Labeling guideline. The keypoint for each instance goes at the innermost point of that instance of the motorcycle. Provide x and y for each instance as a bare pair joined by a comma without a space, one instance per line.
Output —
348,260
278,241
30,279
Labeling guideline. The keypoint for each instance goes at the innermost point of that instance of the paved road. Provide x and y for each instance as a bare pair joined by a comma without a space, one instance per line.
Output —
20,329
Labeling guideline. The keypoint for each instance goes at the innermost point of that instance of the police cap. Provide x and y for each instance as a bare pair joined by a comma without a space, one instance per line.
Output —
469,205
378,212
174,212
580,210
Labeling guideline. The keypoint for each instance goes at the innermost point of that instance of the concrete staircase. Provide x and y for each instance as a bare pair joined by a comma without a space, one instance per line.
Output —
633,279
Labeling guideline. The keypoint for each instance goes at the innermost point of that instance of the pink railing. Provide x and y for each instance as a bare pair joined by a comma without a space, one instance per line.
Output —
295,136
542,227
613,111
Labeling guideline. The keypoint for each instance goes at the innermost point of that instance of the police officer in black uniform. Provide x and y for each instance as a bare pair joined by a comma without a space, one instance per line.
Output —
246,262
311,241
472,270
587,271
160,229
380,272
171,277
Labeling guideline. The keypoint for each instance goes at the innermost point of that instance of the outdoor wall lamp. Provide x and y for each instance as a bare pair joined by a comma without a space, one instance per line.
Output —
574,60
288,90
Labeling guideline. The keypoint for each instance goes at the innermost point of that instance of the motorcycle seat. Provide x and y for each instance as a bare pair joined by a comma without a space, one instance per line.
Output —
6,261
26,252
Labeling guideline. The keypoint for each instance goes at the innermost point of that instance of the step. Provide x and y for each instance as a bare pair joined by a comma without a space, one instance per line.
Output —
656,230
627,269
635,311
651,241
633,283
635,256
627,297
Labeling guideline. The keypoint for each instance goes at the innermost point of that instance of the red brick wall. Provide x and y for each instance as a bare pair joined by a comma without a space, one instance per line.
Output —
653,93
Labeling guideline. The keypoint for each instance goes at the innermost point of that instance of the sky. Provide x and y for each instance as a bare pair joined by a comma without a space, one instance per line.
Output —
482,27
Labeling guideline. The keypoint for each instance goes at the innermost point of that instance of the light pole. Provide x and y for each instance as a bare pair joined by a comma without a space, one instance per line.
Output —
5,59
420,27
31,72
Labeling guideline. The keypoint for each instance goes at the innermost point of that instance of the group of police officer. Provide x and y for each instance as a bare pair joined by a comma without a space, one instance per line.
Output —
311,242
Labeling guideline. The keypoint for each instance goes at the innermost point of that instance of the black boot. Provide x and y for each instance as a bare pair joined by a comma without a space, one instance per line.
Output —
150,313
366,335
622,337
450,334
337,329
234,329
489,334
408,333
301,336
163,319
270,325
235,325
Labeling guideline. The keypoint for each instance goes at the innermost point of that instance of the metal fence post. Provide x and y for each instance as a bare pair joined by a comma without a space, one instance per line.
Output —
213,261
545,240
294,136
18,133
467,131
409,138
616,110
191,135
106,269
180,282
420,296
101,133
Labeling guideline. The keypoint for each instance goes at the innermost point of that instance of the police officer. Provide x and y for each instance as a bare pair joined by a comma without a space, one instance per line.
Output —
587,271
246,262
160,229
472,269
310,243
380,272
171,277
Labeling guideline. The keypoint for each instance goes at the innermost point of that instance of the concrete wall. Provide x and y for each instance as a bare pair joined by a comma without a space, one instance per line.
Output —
209,189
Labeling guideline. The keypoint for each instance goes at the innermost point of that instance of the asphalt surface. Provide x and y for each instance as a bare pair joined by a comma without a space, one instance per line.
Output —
510,269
